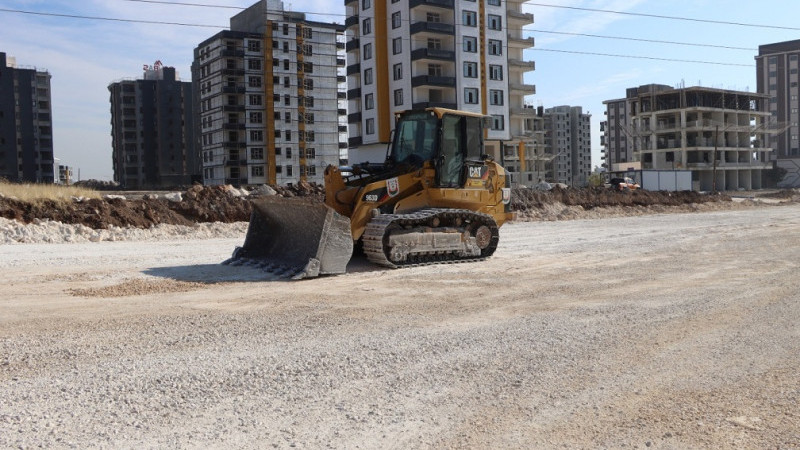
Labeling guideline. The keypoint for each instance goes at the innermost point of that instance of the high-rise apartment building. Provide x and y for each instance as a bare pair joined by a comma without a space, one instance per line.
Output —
777,67
567,134
152,130
459,54
718,134
26,124
268,98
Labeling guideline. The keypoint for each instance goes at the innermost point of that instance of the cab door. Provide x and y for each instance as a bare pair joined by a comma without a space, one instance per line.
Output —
450,171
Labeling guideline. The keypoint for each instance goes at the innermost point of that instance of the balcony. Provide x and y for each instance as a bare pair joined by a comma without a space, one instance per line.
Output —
423,105
428,53
234,144
236,72
355,141
352,44
233,108
520,42
351,21
238,89
429,80
522,112
432,27
354,117
232,126
232,52
526,18
353,94
524,89
447,4
353,69
236,162
518,63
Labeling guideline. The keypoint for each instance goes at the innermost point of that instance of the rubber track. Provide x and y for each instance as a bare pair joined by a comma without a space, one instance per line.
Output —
376,230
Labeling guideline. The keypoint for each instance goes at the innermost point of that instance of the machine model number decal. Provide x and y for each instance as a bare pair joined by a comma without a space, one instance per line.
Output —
377,195
393,186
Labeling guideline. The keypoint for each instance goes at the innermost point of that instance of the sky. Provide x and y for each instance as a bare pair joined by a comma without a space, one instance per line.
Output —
84,56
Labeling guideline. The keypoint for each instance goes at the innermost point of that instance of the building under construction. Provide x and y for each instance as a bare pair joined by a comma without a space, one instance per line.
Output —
719,135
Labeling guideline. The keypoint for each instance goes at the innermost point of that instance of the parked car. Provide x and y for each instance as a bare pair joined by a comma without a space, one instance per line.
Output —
622,184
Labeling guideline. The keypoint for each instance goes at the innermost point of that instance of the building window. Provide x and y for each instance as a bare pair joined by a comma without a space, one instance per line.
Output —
308,84
288,135
256,136
434,70
396,21
471,96
469,18
398,97
367,51
307,33
470,44
369,101
366,26
254,46
370,126
254,82
254,64
255,100
310,136
288,152
495,47
495,97
256,117
398,71
287,117
433,17
397,46
257,171
494,2
367,76
495,72
288,170
471,70
498,123
495,22
365,4
434,44
256,153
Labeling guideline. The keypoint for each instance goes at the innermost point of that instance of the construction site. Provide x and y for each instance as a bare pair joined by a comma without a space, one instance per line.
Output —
635,324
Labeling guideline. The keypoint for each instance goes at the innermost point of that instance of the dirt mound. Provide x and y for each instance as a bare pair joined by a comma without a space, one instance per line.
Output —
200,204
590,198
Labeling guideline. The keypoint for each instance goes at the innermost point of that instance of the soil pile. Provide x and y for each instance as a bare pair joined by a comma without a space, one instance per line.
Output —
203,204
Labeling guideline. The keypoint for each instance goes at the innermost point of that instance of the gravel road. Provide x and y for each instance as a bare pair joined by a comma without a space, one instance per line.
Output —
662,331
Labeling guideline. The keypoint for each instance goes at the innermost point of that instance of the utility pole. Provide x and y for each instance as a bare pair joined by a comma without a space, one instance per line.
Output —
714,157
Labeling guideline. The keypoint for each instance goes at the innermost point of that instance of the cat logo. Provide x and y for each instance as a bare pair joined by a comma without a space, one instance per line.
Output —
475,172
393,186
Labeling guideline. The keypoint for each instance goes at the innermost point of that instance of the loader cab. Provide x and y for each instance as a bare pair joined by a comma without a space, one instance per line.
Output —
448,139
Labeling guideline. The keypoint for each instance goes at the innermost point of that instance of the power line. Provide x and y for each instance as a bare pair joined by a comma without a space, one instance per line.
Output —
642,57
660,16
693,44
109,19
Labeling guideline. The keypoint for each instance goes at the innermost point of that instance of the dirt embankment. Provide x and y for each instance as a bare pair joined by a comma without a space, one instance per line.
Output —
224,204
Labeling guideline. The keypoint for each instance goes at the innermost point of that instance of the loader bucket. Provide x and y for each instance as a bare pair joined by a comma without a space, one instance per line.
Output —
295,238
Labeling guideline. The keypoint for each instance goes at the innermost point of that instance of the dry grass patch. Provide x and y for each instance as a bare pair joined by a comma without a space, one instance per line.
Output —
34,193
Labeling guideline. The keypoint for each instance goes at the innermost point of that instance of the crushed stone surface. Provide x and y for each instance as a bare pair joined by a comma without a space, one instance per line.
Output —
668,331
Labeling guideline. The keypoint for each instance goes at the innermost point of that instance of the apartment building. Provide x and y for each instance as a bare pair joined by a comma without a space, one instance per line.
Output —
269,100
777,67
567,132
152,130
458,54
719,135
26,123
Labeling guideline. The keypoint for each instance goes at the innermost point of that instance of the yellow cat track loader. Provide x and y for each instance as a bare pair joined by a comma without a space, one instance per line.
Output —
438,198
